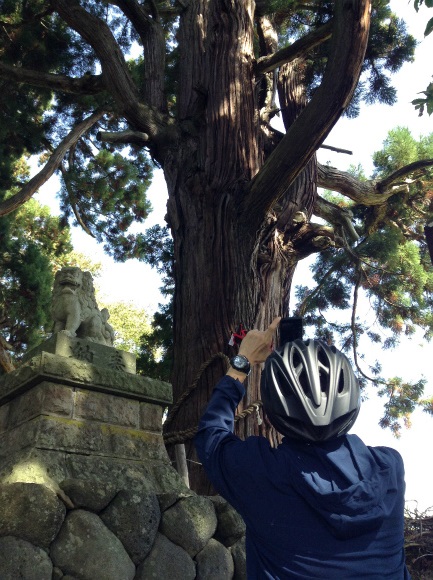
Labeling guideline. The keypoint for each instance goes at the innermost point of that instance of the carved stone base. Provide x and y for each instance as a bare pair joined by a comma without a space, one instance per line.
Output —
87,351
58,413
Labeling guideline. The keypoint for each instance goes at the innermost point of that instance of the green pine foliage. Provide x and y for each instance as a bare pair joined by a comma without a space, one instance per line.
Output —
31,36
104,187
156,347
129,324
155,357
108,192
402,398
425,103
389,47
32,242
388,272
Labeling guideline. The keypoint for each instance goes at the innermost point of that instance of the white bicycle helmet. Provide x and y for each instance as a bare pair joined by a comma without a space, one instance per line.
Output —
309,391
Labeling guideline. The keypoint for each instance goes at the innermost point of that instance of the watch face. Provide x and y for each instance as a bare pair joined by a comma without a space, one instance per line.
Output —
240,363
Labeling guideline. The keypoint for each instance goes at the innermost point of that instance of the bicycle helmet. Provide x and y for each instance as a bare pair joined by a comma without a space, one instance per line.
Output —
309,391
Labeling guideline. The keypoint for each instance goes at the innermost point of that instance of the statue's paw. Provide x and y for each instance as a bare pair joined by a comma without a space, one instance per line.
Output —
69,333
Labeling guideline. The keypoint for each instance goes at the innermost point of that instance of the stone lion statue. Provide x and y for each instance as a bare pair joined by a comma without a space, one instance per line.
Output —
74,308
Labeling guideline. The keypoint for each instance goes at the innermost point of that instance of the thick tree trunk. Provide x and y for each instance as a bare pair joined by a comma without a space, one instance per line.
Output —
226,272
213,293
216,271
226,278
225,275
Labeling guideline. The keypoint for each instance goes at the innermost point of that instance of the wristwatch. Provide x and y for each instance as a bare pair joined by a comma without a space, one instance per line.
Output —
240,363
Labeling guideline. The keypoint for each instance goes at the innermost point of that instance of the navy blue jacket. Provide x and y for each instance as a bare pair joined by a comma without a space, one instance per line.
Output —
328,511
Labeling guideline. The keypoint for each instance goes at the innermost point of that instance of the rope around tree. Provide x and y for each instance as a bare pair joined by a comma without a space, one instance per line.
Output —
175,437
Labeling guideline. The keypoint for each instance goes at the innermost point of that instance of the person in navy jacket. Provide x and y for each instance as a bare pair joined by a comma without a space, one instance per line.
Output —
322,505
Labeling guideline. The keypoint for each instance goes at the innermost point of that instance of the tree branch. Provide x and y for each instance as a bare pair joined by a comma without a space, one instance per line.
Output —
403,172
152,38
86,85
136,14
277,137
126,137
268,43
336,149
157,11
121,85
26,192
339,217
353,327
349,40
364,192
367,192
298,48
73,202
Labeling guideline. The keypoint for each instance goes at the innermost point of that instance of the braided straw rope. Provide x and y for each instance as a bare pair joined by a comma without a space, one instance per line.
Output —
174,410
182,436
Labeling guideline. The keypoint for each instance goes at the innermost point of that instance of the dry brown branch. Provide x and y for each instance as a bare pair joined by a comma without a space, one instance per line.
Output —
127,136
419,543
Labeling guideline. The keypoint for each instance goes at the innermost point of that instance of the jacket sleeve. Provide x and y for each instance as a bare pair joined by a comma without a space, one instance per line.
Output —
219,450
232,465
217,424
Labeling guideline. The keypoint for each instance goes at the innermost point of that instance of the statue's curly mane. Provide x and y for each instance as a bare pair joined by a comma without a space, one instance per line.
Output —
74,308
85,292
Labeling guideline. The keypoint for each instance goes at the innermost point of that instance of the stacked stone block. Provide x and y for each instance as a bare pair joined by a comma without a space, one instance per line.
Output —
130,536
87,491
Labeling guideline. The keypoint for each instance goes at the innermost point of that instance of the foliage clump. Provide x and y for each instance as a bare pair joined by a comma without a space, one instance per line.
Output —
32,244
425,103
386,278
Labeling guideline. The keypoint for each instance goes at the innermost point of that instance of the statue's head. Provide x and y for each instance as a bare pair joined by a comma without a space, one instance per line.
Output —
69,276
105,314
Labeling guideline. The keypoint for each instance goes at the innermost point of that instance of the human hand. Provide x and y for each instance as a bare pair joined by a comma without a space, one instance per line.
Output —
257,344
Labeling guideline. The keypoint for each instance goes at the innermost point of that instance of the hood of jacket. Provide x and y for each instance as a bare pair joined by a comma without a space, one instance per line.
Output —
352,486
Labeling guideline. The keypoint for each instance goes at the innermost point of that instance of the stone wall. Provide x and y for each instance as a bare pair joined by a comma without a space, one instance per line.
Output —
87,491
103,533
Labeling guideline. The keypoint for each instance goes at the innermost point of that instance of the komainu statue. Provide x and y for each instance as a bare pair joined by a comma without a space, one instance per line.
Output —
74,308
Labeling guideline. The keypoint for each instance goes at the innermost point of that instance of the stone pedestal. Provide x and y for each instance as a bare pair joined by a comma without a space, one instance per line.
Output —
74,409
86,351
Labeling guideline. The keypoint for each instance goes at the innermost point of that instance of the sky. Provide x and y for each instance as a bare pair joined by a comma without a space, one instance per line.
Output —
137,283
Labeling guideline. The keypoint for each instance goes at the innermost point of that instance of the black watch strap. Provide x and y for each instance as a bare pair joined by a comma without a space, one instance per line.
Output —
240,363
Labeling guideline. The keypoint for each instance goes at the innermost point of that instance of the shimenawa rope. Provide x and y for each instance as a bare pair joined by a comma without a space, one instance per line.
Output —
182,436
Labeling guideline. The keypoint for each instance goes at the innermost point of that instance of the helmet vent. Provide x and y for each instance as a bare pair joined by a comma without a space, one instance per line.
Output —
322,357
340,387
298,365
304,382
323,377
323,370
297,361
